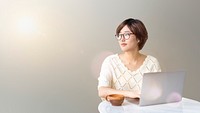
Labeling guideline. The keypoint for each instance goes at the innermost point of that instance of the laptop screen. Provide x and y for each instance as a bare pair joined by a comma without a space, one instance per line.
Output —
161,87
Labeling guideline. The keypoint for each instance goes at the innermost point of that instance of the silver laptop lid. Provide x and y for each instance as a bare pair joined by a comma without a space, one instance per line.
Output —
162,87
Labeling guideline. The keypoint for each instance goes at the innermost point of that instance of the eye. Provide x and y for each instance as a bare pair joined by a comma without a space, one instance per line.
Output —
127,34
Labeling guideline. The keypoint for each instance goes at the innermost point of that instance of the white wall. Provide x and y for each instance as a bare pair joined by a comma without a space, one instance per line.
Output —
54,68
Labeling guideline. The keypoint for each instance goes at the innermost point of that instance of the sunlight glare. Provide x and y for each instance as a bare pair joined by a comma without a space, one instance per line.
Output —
26,25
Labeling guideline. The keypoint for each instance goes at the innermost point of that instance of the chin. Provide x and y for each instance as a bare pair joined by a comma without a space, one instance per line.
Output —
124,50
127,49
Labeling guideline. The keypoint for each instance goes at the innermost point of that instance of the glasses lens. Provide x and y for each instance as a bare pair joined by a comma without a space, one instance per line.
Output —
126,36
118,37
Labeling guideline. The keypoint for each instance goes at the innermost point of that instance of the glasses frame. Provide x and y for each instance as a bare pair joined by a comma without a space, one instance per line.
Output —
126,36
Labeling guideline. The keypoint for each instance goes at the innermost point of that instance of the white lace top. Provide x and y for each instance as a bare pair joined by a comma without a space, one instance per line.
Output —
114,74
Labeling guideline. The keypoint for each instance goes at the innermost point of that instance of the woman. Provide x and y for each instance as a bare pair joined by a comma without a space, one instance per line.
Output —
122,73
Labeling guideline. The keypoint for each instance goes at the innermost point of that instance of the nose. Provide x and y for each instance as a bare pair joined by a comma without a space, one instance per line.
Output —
123,38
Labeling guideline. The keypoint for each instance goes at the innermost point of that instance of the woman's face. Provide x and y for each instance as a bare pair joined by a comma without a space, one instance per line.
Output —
130,44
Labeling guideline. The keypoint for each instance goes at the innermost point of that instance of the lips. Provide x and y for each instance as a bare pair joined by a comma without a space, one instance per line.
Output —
123,44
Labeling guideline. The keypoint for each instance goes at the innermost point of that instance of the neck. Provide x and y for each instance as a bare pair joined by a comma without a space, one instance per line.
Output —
131,56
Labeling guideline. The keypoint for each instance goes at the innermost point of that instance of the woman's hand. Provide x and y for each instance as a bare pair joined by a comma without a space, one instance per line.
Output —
104,91
133,94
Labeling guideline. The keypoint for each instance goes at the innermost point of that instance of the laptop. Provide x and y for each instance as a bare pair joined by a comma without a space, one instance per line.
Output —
161,87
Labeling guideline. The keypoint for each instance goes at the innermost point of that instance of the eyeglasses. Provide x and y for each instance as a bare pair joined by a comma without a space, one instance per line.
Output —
125,35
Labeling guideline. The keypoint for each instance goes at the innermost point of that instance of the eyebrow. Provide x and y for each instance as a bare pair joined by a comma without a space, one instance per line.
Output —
126,32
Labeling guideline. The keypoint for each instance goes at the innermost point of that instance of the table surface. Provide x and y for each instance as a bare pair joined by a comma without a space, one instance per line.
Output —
184,106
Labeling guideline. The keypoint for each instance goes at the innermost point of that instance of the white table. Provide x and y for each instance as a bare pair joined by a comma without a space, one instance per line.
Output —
184,106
